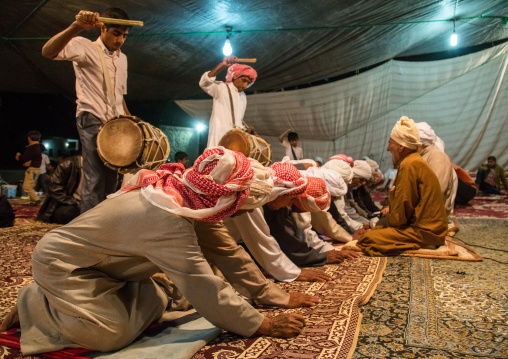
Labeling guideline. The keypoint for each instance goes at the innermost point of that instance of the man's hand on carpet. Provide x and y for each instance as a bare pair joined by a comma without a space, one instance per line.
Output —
11,320
298,299
334,257
313,275
286,325
350,254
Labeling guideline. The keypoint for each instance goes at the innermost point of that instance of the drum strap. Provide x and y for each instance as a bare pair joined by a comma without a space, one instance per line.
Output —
107,79
294,154
232,108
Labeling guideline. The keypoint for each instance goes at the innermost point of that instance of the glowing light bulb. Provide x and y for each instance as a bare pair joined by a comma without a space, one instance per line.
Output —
200,127
453,39
227,50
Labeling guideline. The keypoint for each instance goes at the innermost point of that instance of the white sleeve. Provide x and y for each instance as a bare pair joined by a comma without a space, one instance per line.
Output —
341,207
75,50
209,85
251,227
305,232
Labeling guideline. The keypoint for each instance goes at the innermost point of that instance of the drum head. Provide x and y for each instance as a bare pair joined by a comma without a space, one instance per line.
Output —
120,142
236,140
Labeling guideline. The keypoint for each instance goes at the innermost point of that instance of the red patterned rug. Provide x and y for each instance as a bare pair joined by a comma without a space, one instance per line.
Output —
486,206
332,326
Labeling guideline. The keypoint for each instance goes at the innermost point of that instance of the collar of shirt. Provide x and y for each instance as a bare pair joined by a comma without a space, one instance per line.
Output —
113,54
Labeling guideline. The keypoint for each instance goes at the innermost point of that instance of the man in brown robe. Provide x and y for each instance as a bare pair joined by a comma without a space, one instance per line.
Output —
417,216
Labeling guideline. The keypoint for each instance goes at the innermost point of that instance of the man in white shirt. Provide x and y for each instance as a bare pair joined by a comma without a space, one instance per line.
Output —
291,145
229,100
45,166
94,104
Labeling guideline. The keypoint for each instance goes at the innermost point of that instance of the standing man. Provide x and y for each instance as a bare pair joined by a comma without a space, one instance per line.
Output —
229,100
99,93
31,159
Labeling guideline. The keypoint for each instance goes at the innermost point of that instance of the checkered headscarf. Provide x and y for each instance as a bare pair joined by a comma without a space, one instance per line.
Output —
287,180
316,197
216,186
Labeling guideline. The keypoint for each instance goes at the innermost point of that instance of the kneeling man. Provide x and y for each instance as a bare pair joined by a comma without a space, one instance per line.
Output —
417,216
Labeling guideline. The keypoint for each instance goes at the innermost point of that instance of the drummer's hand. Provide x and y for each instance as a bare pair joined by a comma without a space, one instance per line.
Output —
89,20
229,60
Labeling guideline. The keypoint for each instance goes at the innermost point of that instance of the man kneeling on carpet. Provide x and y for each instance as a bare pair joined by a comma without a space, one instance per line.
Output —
417,216
92,285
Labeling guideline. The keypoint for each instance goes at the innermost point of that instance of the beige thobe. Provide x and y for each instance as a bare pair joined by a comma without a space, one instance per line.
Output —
443,168
92,284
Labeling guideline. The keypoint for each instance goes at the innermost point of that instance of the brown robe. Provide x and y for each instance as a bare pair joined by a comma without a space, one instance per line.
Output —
417,215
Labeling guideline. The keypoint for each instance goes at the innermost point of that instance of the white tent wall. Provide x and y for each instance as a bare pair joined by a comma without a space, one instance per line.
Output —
464,99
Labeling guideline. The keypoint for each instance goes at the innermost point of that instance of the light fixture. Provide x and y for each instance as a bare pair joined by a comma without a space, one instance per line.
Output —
200,127
453,39
227,50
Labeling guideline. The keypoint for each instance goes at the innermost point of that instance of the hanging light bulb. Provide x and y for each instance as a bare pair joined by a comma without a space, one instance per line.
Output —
453,39
227,50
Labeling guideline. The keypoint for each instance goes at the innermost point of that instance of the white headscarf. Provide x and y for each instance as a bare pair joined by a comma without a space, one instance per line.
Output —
362,169
427,134
406,134
342,168
439,144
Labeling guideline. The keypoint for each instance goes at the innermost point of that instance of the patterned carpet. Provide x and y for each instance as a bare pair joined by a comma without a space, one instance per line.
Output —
332,326
421,309
439,308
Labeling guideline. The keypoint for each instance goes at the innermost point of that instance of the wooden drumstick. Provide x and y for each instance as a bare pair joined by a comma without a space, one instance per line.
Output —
107,20
245,60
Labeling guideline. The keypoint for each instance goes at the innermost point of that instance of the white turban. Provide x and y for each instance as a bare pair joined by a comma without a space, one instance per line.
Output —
406,134
334,182
373,164
260,187
341,168
427,134
362,169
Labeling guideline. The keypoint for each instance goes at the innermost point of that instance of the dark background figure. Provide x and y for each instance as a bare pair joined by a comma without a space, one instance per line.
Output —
62,201
6,212
490,177
466,189
183,158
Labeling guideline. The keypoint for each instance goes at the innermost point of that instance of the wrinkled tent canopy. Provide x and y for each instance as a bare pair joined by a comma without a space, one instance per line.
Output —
295,43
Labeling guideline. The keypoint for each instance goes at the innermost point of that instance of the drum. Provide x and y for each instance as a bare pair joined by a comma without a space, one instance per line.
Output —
127,144
251,146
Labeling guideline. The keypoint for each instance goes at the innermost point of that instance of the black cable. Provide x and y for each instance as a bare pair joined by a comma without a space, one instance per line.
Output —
476,245
495,260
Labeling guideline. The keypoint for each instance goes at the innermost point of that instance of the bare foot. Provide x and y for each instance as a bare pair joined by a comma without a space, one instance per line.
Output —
11,320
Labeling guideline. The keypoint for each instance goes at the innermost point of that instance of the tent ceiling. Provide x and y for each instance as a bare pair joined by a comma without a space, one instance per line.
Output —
295,42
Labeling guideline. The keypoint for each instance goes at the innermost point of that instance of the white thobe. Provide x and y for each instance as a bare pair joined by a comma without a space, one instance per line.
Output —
221,120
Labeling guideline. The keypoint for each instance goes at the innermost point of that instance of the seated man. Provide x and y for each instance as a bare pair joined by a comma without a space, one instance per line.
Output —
490,177
440,164
64,193
93,286
417,216
466,188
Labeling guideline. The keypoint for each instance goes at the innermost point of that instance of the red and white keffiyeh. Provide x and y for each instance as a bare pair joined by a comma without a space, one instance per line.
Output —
333,180
345,158
216,186
287,180
316,197
237,70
